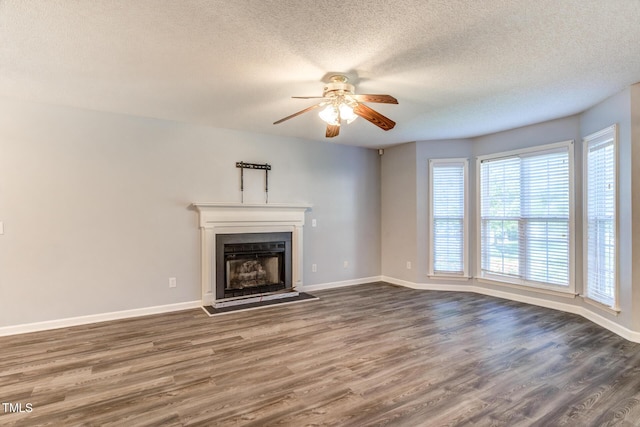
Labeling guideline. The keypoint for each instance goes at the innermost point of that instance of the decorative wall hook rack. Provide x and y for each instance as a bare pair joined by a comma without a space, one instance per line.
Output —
266,167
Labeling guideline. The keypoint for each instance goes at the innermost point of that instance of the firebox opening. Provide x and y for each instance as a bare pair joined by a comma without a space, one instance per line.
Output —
252,272
253,268
252,263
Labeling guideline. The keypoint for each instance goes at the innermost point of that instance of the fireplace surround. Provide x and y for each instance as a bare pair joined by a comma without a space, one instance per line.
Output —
227,219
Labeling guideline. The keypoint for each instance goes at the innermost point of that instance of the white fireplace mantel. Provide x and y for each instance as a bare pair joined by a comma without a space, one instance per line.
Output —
229,218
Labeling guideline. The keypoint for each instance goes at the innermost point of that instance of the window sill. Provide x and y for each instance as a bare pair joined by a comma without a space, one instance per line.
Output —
554,292
611,310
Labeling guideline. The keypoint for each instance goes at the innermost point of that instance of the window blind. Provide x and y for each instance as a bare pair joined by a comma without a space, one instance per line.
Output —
525,217
600,219
448,217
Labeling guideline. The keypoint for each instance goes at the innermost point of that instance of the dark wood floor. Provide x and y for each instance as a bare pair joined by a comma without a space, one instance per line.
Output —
366,355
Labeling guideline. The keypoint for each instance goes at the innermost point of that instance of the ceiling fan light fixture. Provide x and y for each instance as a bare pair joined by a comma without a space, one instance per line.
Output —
330,114
338,110
346,112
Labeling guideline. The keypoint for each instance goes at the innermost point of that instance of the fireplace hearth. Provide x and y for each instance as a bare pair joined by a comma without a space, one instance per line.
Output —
252,263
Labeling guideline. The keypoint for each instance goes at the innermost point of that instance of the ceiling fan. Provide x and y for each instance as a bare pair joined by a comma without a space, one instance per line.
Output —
342,104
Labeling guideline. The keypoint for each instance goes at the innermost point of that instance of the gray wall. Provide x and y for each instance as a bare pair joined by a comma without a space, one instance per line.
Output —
634,197
398,216
96,207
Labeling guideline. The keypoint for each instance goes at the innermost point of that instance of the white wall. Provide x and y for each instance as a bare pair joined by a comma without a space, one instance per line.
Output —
96,207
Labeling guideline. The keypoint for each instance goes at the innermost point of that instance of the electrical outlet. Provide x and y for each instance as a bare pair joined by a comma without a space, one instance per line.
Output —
346,264
1,227
408,265
314,268
314,223
173,282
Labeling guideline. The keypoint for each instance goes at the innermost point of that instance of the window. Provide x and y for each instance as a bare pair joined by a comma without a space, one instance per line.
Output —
526,217
448,219
600,217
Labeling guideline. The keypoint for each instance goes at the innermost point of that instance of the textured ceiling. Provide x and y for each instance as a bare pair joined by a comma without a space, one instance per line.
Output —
458,68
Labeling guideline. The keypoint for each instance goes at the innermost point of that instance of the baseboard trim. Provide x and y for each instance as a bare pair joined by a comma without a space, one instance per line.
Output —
428,287
555,305
105,317
117,315
331,285
95,318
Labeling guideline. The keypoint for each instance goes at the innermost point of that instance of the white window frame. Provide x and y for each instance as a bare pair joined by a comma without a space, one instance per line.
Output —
518,282
465,244
613,129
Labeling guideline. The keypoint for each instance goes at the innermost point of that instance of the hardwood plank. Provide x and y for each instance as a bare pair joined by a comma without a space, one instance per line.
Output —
372,354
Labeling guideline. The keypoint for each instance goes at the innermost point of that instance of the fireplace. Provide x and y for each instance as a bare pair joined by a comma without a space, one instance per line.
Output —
233,219
252,263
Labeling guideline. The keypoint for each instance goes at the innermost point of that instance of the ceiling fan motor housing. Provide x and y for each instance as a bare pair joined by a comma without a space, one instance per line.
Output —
338,84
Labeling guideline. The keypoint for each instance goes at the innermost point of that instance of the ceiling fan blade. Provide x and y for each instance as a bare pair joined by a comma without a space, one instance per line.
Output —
309,97
374,117
332,130
298,113
384,99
